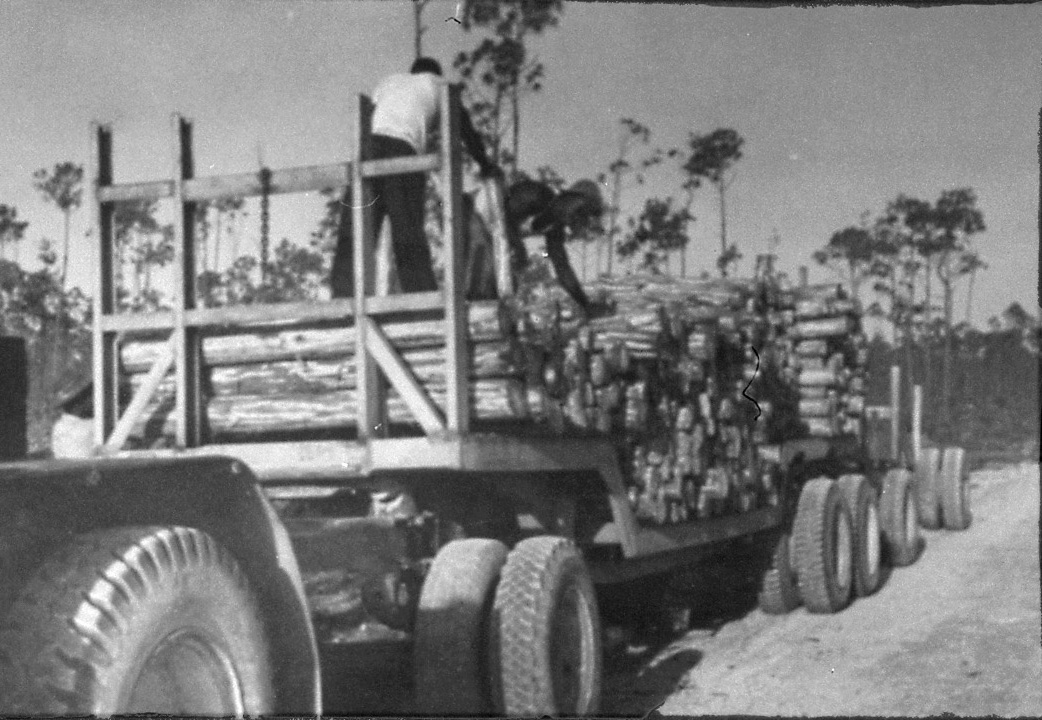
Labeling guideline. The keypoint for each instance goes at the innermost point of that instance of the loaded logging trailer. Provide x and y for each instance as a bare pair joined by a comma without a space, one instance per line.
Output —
476,476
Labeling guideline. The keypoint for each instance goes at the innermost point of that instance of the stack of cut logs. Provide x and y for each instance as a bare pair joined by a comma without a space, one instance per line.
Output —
301,381
832,354
688,377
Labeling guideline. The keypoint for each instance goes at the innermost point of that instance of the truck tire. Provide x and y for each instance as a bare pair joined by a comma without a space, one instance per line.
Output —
860,498
926,490
954,482
778,591
451,644
824,548
134,620
549,631
900,518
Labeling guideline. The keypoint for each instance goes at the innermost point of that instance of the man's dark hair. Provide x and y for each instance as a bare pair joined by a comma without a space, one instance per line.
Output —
425,65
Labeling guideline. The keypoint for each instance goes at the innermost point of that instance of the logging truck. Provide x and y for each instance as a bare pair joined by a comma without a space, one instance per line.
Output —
194,578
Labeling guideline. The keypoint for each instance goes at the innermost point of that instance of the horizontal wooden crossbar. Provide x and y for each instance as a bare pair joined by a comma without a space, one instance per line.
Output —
298,313
285,180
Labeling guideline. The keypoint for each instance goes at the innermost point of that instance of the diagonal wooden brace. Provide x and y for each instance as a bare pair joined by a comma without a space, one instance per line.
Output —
159,370
402,379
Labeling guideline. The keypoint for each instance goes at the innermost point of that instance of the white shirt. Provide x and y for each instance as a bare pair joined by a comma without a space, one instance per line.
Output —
407,107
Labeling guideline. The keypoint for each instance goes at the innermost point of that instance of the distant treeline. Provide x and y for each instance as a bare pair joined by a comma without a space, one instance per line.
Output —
994,406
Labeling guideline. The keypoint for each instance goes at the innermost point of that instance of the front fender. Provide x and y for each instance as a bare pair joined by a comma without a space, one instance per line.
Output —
217,495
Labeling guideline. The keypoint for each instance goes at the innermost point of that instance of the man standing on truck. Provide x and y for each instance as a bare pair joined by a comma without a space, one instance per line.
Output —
406,110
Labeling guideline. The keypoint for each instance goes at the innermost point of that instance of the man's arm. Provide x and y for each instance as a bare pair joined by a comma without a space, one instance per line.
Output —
472,141
555,250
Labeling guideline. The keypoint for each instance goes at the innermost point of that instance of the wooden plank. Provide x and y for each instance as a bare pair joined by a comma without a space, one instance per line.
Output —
188,410
895,410
662,549
306,178
141,399
917,426
457,417
270,315
402,165
135,192
372,420
285,180
385,270
402,379
281,462
104,348
495,199
136,322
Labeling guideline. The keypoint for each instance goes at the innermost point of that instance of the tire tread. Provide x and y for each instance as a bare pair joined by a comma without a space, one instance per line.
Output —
50,659
809,535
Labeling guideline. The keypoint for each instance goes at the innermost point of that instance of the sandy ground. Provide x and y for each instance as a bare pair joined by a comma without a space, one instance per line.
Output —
957,632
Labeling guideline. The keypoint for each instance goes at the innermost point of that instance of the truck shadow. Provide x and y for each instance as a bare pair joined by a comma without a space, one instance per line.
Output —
650,629
652,660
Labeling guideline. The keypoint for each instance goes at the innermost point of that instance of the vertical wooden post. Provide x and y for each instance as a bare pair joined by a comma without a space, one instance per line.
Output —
384,266
372,416
500,242
106,377
188,405
804,276
895,412
457,392
917,422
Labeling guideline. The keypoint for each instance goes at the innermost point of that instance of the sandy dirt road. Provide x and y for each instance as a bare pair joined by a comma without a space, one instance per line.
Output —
958,632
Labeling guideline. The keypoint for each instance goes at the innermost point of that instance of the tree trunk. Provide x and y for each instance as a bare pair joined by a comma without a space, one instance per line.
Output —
217,242
515,111
969,294
683,260
946,369
417,27
723,227
65,248
928,381
616,197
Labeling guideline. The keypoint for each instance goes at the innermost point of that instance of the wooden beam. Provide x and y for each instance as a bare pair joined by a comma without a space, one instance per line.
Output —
917,422
372,420
457,393
402,379
495,200
104,347
895,412
286,180
188,405
306,178
141,399
131,192
400,307
400,166
282,462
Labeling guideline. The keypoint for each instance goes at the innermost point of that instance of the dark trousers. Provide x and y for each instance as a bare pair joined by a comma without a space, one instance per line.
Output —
400,198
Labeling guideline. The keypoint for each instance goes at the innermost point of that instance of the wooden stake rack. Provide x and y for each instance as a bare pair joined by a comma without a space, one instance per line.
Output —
186,323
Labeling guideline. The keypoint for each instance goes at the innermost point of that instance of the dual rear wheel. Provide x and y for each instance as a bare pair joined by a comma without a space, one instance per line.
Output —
833,553
513,633
941,483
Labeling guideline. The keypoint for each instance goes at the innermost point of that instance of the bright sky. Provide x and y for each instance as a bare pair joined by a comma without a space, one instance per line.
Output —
842,108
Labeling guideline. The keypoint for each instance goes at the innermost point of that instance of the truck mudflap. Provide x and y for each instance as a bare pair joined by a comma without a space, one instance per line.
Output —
216,495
